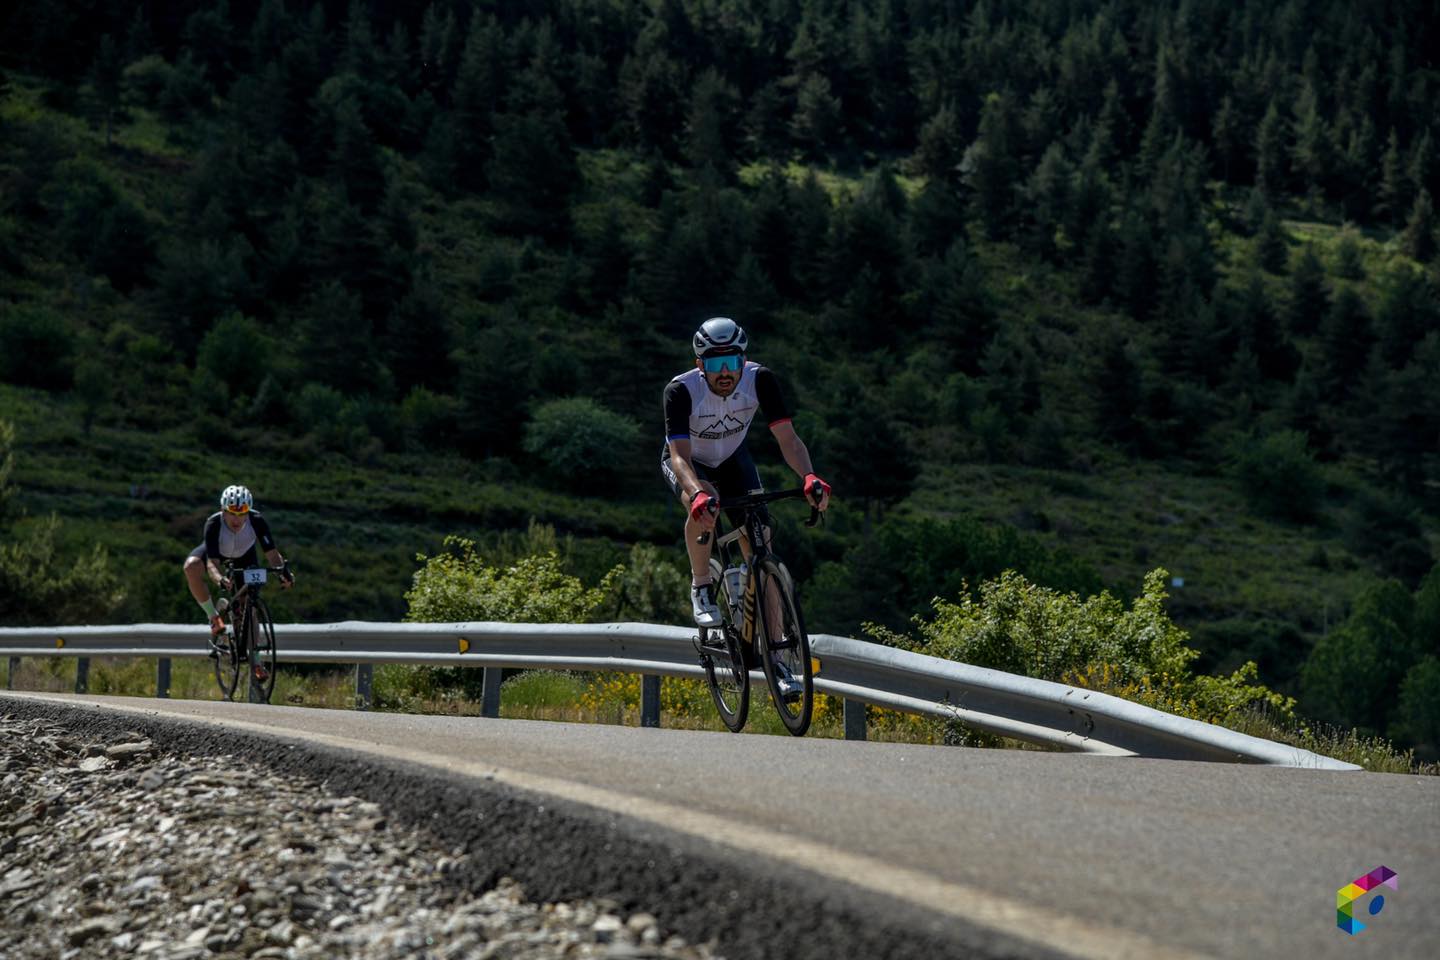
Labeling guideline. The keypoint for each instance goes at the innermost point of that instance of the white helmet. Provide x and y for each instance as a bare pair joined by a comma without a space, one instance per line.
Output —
236,499
720,335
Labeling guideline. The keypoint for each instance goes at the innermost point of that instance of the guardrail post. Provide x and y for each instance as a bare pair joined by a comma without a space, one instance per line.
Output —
649,701
10,677
364,685
82,675
854,720
162,678
490,692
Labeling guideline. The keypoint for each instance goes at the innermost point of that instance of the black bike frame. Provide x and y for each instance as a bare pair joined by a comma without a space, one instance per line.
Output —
754,531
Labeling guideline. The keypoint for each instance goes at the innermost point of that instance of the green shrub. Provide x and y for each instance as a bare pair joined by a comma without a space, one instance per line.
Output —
427,418
36,348
578,437
38,587
1139,653
1352,675
236,352
1280,476
458,585
1419,714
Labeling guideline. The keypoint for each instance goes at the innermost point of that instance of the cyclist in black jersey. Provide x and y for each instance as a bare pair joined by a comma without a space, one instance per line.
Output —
708,411
232,533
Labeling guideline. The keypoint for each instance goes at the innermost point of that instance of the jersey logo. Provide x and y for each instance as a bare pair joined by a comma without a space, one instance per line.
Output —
722,427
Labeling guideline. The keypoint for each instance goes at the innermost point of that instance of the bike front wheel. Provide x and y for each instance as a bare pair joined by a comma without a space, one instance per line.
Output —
784,648
227,665
262,652
724,662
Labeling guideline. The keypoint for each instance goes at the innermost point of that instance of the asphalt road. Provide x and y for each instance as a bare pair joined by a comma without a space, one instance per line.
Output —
831,848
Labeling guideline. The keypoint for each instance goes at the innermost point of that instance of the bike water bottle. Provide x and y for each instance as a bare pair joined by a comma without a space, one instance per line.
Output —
735,584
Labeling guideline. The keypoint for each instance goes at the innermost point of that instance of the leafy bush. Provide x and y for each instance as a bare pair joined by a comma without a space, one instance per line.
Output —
37,587
458,585
894,574
579,438
236,352
1139,654
1419,719
653,589
427,418
36,348
1280,476
1353,674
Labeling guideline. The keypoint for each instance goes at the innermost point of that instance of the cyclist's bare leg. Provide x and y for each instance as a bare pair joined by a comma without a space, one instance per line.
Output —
195,579
699,552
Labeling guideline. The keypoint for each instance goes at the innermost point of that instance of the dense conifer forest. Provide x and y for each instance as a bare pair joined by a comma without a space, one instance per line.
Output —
1079,288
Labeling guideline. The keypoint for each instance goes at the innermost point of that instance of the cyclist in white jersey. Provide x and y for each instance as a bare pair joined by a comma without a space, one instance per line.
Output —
708,412
232,533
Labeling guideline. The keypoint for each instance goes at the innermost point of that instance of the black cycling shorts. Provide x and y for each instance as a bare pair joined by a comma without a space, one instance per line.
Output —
735,476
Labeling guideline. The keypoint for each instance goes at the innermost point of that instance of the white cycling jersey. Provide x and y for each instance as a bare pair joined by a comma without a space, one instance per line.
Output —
716,425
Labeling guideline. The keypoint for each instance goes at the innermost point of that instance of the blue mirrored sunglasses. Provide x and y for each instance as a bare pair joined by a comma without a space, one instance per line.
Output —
730,361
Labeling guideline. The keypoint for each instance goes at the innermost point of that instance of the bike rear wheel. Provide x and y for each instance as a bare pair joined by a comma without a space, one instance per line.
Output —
227,664
724,662
262,652
784,648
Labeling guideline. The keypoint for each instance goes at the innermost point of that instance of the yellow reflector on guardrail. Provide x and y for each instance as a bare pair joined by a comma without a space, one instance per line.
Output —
464,645
814,665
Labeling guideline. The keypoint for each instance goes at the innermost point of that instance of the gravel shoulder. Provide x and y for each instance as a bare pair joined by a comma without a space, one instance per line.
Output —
148,836
109,846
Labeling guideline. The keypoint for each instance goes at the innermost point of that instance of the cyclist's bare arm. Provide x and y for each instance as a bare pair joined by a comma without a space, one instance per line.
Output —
276,560
796,454
680,451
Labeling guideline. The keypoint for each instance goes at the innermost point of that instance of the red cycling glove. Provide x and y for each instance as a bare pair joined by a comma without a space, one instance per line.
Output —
810,481
702,502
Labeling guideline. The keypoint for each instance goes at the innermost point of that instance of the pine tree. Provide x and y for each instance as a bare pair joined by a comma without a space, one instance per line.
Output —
1394,190
993,163
1345,337
105,80
818,118
1270,168
1419,236
940,148
1048,198
437,49
1272,243
479,86
1308,298
532,173
708,128
1409,308
1231,153
1311,149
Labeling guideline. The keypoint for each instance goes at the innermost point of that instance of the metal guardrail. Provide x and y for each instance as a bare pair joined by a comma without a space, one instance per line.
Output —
1038,711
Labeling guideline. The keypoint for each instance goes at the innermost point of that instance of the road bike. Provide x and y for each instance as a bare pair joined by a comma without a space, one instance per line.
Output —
251,637
760,621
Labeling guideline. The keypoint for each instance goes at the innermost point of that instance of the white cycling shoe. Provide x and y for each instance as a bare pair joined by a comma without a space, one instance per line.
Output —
791,688
702,605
